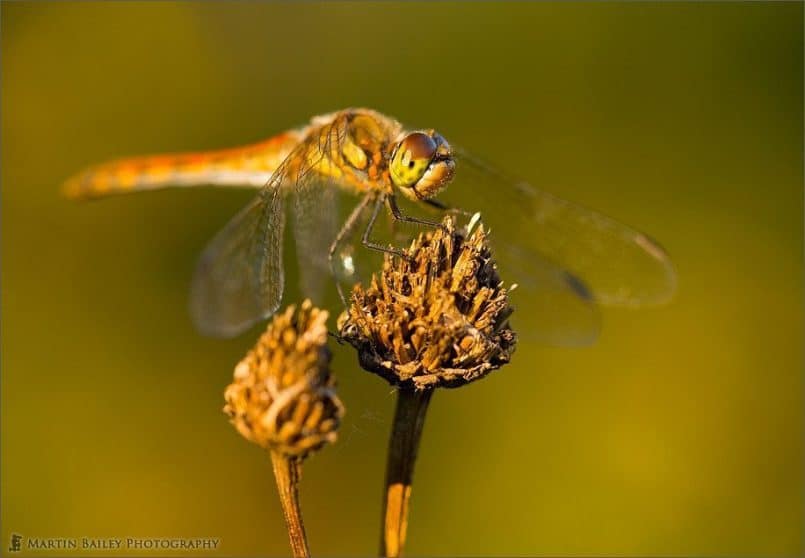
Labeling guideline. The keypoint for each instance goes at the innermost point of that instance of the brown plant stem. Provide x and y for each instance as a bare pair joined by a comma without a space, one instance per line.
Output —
406,430
287,472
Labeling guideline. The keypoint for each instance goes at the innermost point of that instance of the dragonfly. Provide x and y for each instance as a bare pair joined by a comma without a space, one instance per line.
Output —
567,259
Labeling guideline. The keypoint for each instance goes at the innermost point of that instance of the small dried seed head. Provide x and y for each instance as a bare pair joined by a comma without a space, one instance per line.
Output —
283,395
436,318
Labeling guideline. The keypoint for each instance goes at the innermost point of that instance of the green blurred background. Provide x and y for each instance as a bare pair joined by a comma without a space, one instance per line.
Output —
679,432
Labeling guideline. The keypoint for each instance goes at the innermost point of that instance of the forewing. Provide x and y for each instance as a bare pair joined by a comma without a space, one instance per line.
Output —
239,279
617,264
315,223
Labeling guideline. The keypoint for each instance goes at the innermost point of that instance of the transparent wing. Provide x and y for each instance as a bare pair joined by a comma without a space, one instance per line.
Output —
551,305
239,279
611,262
316,223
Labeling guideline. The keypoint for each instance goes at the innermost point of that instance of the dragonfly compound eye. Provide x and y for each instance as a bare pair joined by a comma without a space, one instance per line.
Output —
421,165
411,159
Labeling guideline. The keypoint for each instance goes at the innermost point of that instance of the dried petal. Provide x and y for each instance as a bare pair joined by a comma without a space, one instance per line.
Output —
283,395
436,318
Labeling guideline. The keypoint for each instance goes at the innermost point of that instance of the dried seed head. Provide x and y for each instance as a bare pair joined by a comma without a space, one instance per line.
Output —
283,396
437,318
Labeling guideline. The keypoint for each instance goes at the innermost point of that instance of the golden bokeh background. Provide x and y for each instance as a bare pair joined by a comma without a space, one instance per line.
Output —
680,432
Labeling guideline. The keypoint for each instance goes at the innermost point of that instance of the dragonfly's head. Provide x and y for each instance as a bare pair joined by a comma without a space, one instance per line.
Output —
421,164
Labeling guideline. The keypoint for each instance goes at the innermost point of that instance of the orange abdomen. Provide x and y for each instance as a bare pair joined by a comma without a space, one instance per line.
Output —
248,166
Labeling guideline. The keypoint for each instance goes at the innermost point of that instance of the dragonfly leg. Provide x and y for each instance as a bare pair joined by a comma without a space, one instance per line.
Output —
366,241
398,215
441,206
347,228
438,205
